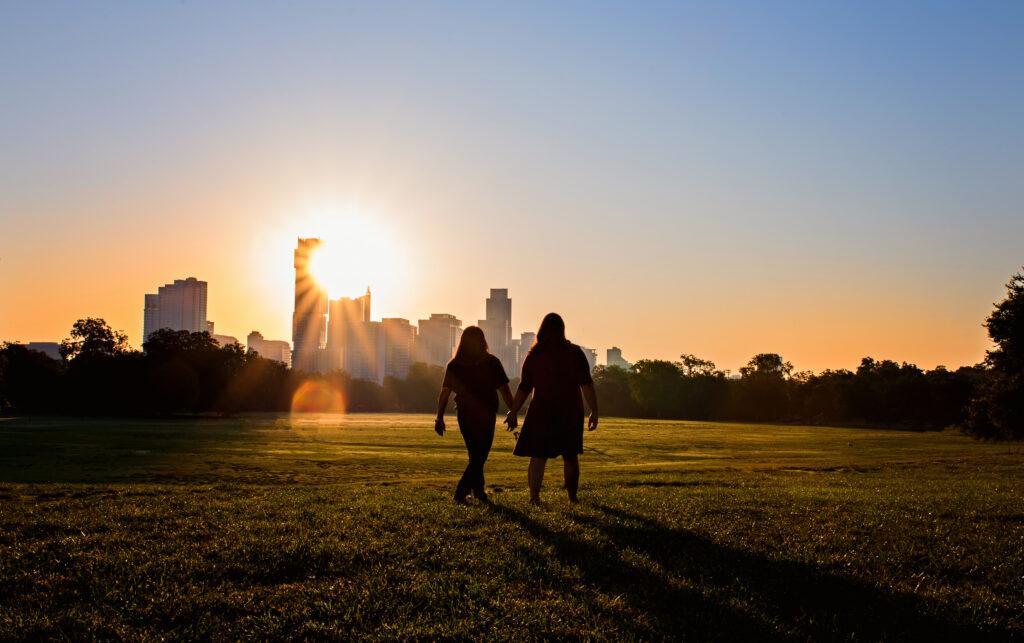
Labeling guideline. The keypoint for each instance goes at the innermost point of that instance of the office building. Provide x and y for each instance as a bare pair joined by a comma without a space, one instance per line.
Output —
399,346
364,352
615,359
591,356
180,305
343,317
526,342
497,327
275,350
309,320
438,337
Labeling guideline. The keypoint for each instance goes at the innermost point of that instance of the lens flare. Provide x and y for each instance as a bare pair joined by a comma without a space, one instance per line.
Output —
317,396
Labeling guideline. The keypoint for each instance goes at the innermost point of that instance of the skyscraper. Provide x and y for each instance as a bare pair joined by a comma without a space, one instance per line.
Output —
364,351
497,328
309,324
437,338
180,305
399,346
344,317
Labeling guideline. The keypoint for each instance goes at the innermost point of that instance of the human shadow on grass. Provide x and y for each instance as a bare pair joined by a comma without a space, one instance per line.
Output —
694,587
670,609
792,598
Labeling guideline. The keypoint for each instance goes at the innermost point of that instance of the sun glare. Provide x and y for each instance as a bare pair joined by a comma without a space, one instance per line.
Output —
356,253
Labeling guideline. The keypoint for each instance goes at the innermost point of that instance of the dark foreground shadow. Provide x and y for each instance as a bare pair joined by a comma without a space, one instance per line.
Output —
693,587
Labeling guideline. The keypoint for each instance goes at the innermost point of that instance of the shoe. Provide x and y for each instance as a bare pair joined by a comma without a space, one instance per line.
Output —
460,500
482,497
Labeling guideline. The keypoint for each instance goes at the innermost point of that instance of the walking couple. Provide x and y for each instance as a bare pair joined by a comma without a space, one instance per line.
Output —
555,372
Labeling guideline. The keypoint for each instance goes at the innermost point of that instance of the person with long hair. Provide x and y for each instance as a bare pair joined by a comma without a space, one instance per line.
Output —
476,376
555,371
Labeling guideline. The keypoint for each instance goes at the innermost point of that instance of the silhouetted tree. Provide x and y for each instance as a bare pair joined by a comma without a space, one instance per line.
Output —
29,380
997,410
612,384
762,394
93,337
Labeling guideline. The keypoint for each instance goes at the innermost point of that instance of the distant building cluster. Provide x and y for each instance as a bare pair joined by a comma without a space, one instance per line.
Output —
340,334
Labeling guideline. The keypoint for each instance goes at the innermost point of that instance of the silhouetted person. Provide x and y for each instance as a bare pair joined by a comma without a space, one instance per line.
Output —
555,370
475,375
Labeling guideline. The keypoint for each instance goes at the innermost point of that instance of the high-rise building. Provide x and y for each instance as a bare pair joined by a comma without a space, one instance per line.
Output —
344,316
364,351
591,356
180,305
276,350
150,316
497,328
614,358
399,346
309,323
438,337
526,342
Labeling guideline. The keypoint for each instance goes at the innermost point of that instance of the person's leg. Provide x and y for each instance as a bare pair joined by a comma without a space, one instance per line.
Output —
571,467
483,449
536,477
468,479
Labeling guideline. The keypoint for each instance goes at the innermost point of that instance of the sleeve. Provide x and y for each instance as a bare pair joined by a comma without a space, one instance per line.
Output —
500,377
583,367
526,378
448,380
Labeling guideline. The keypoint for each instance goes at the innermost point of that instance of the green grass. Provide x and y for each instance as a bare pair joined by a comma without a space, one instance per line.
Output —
343,527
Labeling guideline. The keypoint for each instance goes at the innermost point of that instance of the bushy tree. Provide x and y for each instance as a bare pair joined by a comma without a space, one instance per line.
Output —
996,411
93,338
30,381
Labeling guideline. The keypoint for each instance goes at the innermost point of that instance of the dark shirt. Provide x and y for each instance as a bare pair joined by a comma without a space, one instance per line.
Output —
476,384
555,375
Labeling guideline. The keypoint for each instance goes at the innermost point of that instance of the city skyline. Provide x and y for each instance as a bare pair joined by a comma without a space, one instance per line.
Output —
817,181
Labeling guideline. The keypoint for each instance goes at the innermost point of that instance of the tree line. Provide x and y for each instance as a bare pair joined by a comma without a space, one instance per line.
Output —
882,393
179,372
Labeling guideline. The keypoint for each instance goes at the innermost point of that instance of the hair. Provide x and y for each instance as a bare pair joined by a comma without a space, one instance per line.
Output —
551,332
472,345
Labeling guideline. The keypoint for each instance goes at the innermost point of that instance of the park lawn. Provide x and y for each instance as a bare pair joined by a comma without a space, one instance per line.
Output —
342,526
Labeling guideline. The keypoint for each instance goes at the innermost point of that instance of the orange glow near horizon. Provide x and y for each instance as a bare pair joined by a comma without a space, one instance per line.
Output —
315,396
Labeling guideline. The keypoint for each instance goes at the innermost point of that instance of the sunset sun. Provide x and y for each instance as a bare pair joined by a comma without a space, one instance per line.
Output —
356,252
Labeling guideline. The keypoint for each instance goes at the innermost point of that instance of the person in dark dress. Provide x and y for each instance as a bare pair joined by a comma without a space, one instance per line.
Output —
556,371
476,377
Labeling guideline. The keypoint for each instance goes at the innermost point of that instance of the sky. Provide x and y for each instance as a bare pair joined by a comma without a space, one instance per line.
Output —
822,180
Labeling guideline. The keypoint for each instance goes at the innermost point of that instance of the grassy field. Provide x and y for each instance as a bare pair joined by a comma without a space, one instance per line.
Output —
323,526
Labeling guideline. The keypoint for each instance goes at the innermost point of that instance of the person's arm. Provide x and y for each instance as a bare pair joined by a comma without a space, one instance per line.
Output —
442,404
506,394
590,395
512,417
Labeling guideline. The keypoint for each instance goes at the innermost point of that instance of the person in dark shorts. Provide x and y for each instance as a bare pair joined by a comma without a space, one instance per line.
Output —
555,371
476,377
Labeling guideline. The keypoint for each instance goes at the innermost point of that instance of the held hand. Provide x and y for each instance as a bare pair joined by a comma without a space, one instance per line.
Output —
439,426
511,420
592,424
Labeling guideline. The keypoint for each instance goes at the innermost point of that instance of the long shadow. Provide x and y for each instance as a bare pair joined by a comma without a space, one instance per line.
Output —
802,600
672,610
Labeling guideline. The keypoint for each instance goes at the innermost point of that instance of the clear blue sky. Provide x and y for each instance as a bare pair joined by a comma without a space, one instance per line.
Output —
826,180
